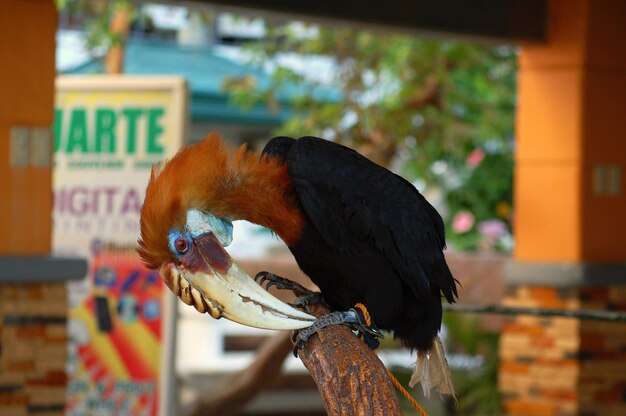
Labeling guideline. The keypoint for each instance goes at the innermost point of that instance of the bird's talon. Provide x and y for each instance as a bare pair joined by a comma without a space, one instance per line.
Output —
265,279
313,298
296,348
297,305
282,283
299,341
259,276
300,303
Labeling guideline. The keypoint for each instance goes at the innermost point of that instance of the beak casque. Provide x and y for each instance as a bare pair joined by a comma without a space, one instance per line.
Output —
232,294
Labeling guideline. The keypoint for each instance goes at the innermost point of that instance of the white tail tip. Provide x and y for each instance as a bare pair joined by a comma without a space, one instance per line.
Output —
431,370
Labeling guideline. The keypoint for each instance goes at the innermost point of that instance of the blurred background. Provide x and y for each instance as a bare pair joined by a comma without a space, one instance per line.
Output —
464,101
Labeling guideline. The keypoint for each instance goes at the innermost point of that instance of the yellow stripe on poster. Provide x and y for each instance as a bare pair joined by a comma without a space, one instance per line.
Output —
144,342
101,343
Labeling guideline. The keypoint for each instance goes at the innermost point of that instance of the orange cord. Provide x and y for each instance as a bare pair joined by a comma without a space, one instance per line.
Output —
394,380
406,394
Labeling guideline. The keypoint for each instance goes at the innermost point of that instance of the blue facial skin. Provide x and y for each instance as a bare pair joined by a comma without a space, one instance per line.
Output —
175,235
198,223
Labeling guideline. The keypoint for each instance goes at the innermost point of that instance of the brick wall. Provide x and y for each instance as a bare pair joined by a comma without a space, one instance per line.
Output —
602,355
563,366
33,349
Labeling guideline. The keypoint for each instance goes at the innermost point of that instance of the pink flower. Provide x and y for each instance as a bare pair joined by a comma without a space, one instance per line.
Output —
475,158
462,222
492,228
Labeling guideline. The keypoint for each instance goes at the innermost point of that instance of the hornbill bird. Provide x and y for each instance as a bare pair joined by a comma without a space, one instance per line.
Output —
363,234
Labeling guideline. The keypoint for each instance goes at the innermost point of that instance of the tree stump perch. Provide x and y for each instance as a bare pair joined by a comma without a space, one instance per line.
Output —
350,377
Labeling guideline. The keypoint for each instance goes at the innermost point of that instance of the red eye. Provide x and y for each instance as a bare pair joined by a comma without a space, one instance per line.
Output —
181,245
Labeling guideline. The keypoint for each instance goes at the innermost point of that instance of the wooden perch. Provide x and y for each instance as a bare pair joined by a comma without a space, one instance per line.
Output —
350,377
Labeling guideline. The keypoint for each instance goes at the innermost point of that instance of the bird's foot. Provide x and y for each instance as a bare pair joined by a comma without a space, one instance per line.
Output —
355,318
283,284
313,298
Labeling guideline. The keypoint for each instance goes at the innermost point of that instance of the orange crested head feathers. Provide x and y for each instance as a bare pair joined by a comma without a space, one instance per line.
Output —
209,176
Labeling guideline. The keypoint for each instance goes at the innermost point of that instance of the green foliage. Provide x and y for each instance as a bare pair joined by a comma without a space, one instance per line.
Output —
477,389
95,17
420,105
433,405
486,192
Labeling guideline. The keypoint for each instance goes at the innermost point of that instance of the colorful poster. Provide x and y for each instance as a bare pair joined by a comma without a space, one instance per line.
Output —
109,131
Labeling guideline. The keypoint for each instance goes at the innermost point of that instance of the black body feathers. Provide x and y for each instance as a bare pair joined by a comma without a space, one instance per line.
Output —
370,237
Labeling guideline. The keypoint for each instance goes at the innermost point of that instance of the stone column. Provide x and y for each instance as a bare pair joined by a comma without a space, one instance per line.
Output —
570,210
33,299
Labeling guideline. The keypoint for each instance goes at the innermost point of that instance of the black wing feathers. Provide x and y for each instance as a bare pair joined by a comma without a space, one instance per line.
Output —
352,201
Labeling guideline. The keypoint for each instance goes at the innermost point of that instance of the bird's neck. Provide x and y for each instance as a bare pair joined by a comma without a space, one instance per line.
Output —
263,194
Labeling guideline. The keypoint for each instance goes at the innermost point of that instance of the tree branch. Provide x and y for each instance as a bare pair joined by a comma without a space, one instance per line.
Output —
232,393
350,377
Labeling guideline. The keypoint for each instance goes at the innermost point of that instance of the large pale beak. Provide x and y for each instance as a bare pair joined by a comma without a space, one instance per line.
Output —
212,282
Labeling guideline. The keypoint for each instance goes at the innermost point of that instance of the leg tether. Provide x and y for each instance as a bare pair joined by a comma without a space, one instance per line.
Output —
368,321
